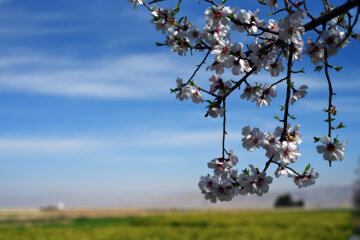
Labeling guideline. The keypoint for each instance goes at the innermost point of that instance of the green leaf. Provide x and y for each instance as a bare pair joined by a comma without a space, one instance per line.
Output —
292,117
173,90
341,17
290,84
282,108
329,120
192,84
223,2
340,125
301,71
307,168
160,44
338,68
246,171
277,117
211,104
318,68
316,139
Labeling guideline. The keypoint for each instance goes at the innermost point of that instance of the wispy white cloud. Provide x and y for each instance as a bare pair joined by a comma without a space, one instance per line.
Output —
25,31
45,145
135,76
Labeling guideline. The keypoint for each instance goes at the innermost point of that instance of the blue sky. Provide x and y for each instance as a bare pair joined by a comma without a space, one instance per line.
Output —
85,107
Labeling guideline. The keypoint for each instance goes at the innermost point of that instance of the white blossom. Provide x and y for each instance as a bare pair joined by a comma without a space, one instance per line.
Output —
297,94
222,51
282,171
306,180
332,151
291,27
137,2
185,91
262,96
286,152
216,111
252,138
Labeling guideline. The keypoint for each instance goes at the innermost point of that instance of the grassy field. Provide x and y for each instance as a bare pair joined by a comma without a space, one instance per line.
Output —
177,225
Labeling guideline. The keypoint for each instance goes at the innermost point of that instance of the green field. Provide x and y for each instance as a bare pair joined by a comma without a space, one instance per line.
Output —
234,224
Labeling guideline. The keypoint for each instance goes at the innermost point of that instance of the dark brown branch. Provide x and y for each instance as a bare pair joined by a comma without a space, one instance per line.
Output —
224,129
331,14
243,79
288,92
212,2
280,165
331,93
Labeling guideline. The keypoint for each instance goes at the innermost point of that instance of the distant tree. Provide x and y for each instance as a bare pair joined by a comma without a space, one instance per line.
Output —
287,201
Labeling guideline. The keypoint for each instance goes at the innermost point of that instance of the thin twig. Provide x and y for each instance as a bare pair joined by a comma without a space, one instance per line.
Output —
198,67
224,129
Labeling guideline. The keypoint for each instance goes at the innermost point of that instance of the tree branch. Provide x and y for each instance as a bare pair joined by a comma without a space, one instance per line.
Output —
331,14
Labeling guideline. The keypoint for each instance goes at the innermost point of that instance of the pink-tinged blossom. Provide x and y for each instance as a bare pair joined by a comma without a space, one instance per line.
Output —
291,135
271,3
217,67
286,152
222,51
297,94
222,166
282,171
237,62
193,34
291,28
216,111
268,140
243,17
216,83
332,151
248,92
161,18
246,20
273,27
208,186
275,67
196,96
263,95
261,181
335,39
217,14
185,91
214,34
315,50
137,2
252,138
306,179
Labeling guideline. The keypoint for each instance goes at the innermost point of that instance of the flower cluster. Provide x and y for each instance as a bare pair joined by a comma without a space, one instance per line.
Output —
279,147
306,179
259,94
185,91
275,42
332,39
227,183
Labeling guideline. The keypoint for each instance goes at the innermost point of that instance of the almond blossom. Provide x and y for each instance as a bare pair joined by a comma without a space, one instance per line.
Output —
332,151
